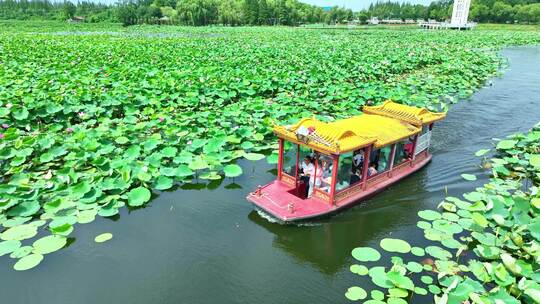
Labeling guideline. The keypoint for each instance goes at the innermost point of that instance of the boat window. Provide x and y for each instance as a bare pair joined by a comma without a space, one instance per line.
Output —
378,160
345,171
324,166
289,158
403,151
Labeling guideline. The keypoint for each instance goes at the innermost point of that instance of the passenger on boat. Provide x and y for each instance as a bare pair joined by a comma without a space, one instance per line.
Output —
358,159
355,177
307,169
326,176
315,178
408,148
372,170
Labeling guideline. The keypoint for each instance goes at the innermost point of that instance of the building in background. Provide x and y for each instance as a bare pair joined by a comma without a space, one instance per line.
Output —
460,13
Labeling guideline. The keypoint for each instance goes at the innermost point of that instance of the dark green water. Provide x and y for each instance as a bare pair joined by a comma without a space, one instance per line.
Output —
209,246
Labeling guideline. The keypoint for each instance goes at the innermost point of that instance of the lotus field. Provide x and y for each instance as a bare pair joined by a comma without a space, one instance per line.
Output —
92,122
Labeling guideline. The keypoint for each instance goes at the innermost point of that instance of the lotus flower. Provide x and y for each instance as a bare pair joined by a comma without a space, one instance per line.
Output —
48,176
5,126
189,142
9,105
2,135
69,130
161,119
81,114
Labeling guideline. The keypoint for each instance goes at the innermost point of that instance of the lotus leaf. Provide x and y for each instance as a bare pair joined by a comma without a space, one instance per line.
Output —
9,246
21,252
28,262
103,237
49,244
366,254
138,196
395,245
232,170
377,295
359,269
19,233
356,293
469,177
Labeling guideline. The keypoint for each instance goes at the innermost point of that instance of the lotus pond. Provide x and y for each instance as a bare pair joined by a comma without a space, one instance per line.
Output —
96,124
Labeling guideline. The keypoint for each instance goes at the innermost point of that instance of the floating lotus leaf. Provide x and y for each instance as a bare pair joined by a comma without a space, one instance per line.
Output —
448,206
396,301
86,216
25,208
398,292
163,183
211,175
356,293
438,252
138,196
198,164
21,252
359,269
366,254
395,245
417,251
9,246
426,279
479,219
374,302
379,278
232,170
451,243
423,225
80,189
19,233
453,217
420,291
400,280
49,244
183,171
377,295
481,152
103,237
469,177
414,267
28,262
254,156
506,144
447,227
429,215
434,289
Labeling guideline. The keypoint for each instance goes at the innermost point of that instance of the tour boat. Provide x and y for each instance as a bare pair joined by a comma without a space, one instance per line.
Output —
327,166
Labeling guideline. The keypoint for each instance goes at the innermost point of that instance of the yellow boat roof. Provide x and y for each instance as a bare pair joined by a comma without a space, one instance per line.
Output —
379,125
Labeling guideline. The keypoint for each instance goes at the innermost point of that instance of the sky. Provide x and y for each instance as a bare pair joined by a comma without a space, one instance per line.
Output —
356,5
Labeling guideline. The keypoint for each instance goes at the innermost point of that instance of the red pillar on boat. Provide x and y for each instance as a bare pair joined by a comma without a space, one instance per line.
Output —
280,159
367,153
335,163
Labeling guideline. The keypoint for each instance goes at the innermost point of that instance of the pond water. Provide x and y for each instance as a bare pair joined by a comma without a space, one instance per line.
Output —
205,244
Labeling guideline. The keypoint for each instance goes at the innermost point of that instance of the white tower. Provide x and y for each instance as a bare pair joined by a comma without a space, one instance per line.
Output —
460,12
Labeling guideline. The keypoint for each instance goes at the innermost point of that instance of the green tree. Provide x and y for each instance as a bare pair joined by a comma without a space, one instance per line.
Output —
69,10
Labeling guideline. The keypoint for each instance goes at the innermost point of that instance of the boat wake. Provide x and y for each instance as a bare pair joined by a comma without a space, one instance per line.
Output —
272,219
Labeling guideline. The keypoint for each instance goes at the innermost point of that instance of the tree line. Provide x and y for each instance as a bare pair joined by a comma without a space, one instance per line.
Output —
261,12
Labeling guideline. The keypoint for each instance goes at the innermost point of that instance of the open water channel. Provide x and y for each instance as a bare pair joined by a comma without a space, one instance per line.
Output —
205,244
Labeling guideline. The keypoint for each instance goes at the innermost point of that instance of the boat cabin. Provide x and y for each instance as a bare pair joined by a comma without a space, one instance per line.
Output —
327,166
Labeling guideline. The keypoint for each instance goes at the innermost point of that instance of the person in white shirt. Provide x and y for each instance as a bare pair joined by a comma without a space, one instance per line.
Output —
307,169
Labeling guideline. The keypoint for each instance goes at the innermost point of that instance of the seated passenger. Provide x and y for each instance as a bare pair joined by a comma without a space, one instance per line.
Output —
358,159
355,177
372,170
